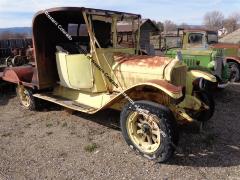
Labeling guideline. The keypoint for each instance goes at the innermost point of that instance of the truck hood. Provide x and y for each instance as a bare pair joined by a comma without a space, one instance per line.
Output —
134,69
203,52
141,64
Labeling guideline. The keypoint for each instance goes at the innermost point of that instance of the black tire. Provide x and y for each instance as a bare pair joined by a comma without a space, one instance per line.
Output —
166,122
207,98
28,94
234,72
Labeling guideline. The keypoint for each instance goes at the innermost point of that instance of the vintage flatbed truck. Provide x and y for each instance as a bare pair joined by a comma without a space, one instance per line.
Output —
80,65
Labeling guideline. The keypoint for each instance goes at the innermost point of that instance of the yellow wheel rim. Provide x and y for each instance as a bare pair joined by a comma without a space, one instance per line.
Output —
24,97
144,131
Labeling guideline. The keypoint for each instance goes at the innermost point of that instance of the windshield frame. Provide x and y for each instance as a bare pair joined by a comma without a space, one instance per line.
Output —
212,33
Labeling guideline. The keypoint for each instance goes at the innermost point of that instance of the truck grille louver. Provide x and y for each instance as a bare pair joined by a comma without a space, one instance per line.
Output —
190,62
178,76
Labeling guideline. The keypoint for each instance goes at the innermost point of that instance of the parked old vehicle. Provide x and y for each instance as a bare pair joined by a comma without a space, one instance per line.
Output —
197,54
210,41
15,52
81,66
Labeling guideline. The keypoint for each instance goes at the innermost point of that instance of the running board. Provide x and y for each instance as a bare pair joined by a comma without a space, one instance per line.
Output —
66,103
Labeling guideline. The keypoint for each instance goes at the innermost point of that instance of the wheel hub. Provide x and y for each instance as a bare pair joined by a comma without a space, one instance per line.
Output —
146,128
144,132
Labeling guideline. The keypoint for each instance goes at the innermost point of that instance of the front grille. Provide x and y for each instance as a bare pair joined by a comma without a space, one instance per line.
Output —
190,62
178,76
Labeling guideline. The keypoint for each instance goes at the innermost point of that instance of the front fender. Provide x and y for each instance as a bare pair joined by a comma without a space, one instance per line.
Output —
233,59
170,89
193,75
143,91
200,74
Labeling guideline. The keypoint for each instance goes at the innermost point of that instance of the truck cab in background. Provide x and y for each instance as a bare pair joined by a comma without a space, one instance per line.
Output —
210,40
206,41
198,52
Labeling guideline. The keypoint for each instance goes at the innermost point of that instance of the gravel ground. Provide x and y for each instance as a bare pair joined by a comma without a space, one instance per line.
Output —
54,144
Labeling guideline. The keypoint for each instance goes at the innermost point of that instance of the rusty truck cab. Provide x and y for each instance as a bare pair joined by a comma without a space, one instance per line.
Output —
65,30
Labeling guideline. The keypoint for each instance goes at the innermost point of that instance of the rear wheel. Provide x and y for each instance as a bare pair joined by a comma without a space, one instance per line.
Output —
234,72
153,134
26,98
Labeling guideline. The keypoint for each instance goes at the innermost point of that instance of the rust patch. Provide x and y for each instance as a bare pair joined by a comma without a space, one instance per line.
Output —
226,45
168,86
141,60
18,74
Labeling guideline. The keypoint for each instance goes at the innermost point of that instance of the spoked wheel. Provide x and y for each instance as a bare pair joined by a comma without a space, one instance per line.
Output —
234,72
26,98
153,134
144,132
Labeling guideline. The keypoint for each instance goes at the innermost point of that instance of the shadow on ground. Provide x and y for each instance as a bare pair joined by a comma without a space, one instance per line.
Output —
7,91
217,145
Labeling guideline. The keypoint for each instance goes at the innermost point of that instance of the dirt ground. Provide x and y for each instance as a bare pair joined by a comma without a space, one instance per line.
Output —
53,144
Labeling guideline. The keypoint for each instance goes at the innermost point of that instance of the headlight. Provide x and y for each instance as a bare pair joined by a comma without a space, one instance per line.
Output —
212,65
198,84
203,84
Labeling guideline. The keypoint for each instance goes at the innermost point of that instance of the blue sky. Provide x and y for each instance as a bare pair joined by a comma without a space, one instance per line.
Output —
15,13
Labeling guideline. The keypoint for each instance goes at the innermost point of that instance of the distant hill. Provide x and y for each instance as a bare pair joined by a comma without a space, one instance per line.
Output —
13,30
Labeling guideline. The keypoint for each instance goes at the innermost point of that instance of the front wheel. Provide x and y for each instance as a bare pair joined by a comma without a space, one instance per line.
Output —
234,72
153,134
208,100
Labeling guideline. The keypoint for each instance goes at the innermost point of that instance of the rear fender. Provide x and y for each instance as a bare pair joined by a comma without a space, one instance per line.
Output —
19,75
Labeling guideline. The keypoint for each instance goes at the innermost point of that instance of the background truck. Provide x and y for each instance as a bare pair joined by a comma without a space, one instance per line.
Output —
208,40
196,53
14,52
80,65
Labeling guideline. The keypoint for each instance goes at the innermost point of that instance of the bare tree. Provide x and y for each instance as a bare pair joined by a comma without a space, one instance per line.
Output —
159,25
169,26
5,35
184,26
236,15
214,20
232,22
